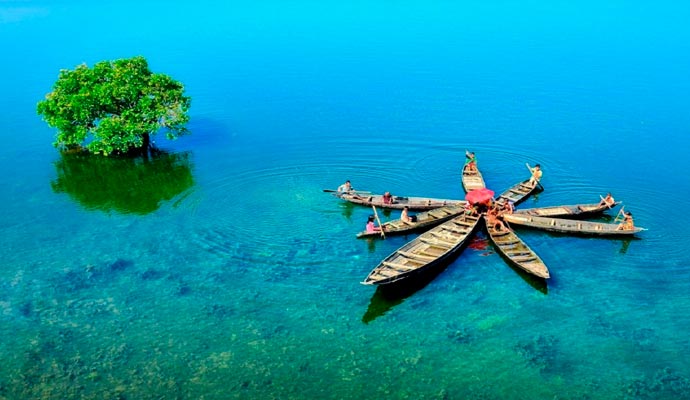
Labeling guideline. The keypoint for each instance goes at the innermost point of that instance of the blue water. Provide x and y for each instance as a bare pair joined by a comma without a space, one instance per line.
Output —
223,271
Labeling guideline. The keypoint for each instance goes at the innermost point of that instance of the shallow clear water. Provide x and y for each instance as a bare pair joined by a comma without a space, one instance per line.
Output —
223,271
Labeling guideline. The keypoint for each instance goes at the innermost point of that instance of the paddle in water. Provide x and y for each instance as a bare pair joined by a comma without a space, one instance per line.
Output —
376,214
535,178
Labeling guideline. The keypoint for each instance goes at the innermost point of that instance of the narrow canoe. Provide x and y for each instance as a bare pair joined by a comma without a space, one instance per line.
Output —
429,250
472,180
426,219
569,225
517,252
570,211
399,202
517,193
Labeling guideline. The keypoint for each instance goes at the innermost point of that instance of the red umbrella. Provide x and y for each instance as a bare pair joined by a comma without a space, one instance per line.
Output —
479,196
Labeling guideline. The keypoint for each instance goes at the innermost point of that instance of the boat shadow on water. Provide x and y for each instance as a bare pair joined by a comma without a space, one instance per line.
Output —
624,238
388,296
347,209
536,282
482,243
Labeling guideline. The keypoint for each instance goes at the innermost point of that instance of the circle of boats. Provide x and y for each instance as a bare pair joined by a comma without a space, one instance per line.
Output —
448,227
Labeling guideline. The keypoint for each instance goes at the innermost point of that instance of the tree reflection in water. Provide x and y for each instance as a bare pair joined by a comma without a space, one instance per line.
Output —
138,185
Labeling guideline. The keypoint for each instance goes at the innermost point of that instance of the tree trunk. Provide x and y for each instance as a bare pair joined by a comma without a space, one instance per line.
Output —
146,144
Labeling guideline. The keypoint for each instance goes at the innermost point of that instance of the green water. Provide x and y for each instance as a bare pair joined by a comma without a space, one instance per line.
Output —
221,269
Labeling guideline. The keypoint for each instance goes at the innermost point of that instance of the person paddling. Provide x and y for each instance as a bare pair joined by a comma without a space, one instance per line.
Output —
608,201
536,175
345,187
470,162
371,227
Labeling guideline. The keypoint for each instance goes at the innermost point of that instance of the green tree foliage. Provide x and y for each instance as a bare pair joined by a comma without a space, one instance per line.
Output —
114,107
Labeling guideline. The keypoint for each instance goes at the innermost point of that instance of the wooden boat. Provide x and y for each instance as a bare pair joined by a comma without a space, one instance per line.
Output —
517,193
569,225
399,202
570,211
517,252
429,250
426,219
472,180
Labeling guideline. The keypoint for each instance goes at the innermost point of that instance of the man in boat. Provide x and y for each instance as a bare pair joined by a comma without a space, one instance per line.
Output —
627,224
406,217
387,198
509,207
536,175
607,201
492,219
470,162
345,187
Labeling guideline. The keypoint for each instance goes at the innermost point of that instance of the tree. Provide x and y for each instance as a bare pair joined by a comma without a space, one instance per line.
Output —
114,107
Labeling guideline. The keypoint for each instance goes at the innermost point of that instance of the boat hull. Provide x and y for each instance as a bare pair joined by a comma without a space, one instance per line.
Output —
427,252
567,211
425,220
513,249
472,180
399,202
562,225
517,193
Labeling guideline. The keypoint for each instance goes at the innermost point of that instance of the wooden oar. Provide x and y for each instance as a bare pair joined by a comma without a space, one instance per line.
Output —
532,174
620,215
607,204
376,214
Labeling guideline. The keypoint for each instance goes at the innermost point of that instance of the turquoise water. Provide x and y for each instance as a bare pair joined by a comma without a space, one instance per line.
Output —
221,270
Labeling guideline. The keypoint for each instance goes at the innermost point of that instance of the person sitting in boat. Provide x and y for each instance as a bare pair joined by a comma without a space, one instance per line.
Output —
371,227
471,209
536,175
627,224
406,217
482,208
345,187
493,220
470,162
608,201
387,198
509,207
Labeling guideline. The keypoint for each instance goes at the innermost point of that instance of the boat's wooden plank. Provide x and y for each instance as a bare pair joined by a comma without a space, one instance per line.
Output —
385,272
524,258
434,242
464,223
507,242
518,252
416,255
400,267
444,238
455,230
434,213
